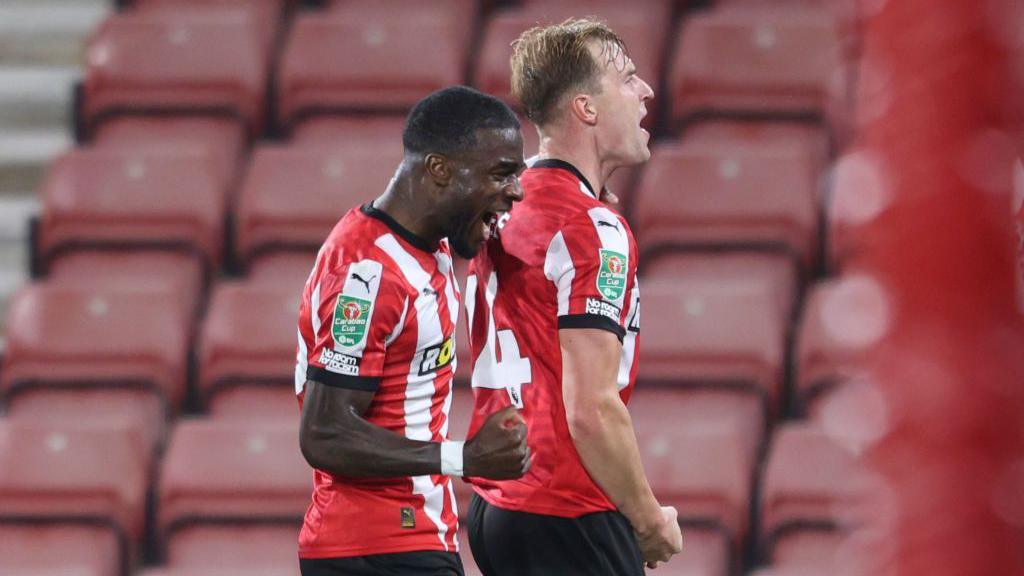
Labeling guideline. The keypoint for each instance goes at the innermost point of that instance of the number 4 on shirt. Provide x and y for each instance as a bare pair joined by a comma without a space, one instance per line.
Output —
512,370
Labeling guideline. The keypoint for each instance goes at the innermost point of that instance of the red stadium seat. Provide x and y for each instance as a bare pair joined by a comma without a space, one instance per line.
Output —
814,140
704,471
179,274
265,14
292,197
709,409
221,139
830,345
100,198
379,131
58,550
772,273
359,59
246,571
754,60
224,473
813,548
247,401
808,479
248,335
462,13
179,61
256,546
725,335
642,25
291,268
61,473
700,194
140,411
61,336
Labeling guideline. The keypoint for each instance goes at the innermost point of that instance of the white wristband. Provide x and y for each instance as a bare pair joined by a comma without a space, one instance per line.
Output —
451,457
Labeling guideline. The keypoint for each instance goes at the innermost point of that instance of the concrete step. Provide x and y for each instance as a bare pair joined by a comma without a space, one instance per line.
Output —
15,212
36,97
25,156
13,274
48,31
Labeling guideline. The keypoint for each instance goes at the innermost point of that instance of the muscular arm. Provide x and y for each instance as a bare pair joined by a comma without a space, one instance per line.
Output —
601,428
335,438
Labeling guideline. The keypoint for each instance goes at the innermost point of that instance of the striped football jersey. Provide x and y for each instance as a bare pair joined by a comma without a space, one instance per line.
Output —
378,313
561,259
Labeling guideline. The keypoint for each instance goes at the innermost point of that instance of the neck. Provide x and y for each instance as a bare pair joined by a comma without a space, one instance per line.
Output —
402,203
579,149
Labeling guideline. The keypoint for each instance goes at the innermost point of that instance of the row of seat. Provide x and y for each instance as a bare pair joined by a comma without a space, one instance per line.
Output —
354,55
230,492
130,318
173,181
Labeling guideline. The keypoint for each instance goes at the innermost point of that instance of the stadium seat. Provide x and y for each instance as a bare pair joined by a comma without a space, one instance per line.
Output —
812,548
750,60
771,273
140,411
222,139
59,550
808,480
292,197
379,131
176,61
265,14
704,471
248,335
255,402
75,475
115,199
291,268
706,194
707,335
179,274
712,409
360,61
828,349
228,474
642,25
247,571
462,13
256,546
63,336
812,139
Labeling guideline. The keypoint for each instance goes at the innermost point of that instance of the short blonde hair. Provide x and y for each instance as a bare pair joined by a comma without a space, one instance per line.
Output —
548,61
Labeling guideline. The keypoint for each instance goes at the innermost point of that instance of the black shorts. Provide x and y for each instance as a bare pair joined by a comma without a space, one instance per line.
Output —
508,543
411,563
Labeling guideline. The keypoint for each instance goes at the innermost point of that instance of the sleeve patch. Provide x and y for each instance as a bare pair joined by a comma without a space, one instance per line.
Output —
339,363
611,276
601,308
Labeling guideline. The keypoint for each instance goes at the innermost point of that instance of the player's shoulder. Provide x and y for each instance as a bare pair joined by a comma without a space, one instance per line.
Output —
352,251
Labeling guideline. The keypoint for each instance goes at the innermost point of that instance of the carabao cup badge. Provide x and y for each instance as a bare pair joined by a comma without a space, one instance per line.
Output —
611,278
350,321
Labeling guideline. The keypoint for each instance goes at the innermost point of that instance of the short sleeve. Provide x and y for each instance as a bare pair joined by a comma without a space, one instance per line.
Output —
357,310
591,261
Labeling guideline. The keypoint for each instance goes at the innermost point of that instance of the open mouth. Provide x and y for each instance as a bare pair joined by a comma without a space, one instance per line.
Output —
489,223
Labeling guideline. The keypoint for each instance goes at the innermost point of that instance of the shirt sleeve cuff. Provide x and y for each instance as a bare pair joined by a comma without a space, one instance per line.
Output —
322,376
572,321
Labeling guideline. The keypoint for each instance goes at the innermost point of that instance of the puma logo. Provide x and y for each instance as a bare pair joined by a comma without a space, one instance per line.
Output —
366,283
609,225
428,291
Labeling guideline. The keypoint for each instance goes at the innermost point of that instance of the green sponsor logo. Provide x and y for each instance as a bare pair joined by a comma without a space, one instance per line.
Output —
611,277
351,316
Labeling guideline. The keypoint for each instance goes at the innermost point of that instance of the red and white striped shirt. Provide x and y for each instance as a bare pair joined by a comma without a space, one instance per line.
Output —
561,260
378,313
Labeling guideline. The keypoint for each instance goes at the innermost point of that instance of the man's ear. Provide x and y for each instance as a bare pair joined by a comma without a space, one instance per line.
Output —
583,108
439,168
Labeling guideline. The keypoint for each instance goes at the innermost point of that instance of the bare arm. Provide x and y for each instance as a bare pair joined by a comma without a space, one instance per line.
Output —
602,432
334,437
600,425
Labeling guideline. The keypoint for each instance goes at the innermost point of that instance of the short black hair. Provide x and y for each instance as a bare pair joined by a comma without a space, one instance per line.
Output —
446,121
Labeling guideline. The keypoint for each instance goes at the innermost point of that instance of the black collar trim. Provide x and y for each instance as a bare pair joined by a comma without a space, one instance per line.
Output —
562,164
397,228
